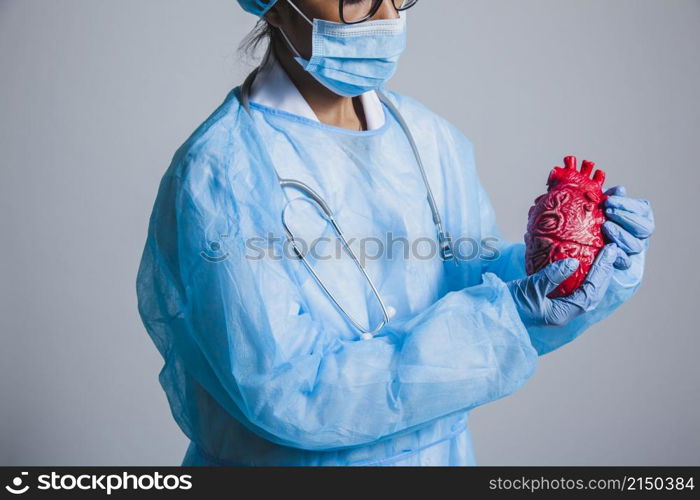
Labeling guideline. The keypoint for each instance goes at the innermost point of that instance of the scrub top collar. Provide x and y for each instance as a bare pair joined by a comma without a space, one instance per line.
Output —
273,88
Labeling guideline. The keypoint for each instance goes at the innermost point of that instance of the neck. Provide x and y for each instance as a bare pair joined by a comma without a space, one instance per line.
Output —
329,107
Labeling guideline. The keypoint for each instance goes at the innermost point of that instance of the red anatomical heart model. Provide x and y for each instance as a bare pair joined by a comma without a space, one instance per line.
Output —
566,222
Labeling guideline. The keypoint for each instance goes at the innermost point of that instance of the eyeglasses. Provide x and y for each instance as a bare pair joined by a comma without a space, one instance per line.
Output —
357,11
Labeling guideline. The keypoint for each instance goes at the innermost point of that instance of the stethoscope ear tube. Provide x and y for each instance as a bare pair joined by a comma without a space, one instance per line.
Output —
444,238
311,195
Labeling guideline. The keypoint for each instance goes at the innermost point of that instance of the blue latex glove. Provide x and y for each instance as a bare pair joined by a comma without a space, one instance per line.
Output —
530,293
630,224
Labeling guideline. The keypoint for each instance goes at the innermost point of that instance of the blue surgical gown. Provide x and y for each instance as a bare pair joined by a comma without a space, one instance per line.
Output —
260,366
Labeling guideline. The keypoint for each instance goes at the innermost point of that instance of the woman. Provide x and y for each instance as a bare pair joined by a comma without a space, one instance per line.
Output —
275,359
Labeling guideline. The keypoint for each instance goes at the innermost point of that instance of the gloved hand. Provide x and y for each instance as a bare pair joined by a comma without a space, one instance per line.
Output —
530,293
629,225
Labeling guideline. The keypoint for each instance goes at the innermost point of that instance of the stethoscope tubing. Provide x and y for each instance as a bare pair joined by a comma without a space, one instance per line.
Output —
444,239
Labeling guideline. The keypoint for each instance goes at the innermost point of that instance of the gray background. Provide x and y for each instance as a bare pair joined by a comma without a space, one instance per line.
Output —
96,95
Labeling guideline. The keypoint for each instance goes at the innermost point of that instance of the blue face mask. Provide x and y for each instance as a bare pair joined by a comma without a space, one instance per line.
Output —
351,59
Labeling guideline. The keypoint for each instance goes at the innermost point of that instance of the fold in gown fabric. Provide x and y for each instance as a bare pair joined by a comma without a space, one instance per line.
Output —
260,367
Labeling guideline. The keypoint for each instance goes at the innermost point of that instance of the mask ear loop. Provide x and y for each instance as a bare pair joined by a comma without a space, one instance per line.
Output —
300,12
289,43
284,35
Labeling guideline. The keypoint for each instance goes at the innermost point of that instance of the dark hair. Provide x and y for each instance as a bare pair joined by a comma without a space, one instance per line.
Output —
261,32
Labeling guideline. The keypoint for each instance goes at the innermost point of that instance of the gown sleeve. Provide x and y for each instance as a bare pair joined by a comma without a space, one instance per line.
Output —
251,339
509,264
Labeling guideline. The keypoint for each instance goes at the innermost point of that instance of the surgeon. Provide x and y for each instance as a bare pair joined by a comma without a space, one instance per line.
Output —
285,346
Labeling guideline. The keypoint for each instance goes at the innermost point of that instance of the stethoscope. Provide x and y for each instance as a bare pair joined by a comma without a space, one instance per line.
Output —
443,237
